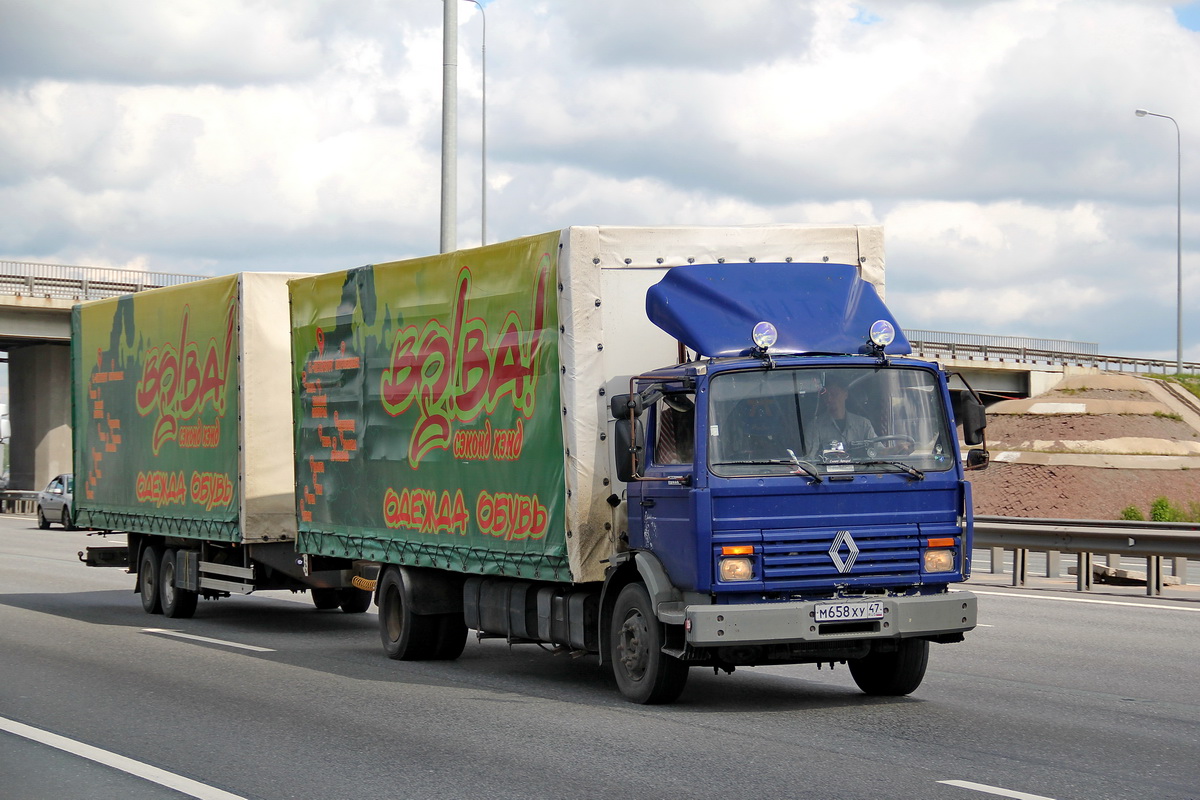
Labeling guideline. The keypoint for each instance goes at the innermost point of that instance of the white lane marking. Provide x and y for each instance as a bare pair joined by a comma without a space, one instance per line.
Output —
1194,610
206,640
996,790
138,769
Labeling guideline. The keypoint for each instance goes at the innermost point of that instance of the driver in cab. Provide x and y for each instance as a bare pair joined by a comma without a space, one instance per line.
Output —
836,428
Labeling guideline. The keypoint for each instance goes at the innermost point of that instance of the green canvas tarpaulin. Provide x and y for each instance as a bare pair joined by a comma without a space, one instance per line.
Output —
155,407
429,427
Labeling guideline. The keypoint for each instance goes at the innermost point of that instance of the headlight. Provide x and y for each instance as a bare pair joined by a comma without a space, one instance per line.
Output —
737,569
939,560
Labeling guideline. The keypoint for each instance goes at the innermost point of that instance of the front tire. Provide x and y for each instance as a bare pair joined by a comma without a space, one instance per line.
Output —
892,674
148,567
43,523
176,603
644,673
406,636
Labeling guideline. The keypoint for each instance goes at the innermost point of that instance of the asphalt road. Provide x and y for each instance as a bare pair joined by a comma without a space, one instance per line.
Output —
1051,697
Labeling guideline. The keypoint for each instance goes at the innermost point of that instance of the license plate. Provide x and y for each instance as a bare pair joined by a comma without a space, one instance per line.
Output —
849,612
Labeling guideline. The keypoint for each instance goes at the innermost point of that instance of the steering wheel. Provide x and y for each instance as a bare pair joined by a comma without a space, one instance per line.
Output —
906,443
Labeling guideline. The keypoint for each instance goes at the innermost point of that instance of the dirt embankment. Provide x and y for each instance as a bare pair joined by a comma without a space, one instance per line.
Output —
1028,490
1084,492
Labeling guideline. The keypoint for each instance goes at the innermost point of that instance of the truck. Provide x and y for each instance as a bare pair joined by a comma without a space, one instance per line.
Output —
666,446
182,435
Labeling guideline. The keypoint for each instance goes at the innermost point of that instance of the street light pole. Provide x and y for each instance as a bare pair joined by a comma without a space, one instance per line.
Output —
1141,112
483,136
449,230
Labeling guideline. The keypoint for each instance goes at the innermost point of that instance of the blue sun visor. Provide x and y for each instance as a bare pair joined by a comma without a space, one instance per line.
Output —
720,310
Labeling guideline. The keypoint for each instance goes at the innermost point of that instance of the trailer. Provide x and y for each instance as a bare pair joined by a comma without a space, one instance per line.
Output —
183,443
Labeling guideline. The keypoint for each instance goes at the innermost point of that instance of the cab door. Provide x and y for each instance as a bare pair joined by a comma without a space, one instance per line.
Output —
668,503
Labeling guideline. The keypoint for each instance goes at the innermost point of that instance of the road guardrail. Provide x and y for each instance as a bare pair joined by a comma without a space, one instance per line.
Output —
18,502
1083,538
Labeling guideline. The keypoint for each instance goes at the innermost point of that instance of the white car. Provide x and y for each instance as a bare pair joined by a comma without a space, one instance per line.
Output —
54,502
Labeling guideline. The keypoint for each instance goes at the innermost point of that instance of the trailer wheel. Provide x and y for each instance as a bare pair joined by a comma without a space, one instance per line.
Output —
644,673
148,580
325,599
892,674
406,636
353,600
176,603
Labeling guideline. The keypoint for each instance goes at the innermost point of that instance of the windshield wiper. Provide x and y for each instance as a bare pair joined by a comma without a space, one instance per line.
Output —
803,467
900,465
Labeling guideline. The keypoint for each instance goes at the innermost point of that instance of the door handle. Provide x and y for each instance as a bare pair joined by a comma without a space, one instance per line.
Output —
647,502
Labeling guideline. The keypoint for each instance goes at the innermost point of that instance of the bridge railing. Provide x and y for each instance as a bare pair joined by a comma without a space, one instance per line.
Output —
1017,342
30,279
1030,355
1083,538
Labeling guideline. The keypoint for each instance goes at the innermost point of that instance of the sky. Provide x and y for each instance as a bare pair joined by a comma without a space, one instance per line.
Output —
994,140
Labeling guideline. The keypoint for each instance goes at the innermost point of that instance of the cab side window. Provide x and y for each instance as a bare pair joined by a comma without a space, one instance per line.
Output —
674,432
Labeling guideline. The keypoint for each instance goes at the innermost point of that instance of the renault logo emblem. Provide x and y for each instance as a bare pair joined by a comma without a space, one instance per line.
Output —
835,551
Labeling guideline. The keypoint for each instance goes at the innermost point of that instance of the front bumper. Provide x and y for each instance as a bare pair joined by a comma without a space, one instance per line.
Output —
780,623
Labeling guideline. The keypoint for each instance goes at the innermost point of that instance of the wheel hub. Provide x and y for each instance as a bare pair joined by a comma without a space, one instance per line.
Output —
631,651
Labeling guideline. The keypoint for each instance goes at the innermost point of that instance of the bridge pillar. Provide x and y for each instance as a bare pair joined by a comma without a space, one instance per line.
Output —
39,388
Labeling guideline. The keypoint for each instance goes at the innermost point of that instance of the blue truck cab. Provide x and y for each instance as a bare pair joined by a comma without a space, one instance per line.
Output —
795,491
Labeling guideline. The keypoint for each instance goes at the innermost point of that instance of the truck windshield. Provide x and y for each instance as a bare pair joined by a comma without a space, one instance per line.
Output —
822,422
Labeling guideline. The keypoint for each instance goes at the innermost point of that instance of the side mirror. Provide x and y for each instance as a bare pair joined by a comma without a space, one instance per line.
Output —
622,404
977,459
974,420
629,445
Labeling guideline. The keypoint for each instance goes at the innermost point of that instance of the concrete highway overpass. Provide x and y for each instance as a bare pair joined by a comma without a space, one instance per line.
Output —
35,339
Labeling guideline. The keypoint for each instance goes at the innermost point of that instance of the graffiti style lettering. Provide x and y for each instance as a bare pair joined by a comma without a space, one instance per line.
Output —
426,510
179,381
511,516
211,490
474,445
453,374
486,444
200,435
508,443
160,488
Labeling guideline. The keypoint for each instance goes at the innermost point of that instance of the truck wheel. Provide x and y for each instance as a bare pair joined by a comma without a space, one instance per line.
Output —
406,636
176,603
892,674
43,523
148,580
353,600
452,636
325,599
644,673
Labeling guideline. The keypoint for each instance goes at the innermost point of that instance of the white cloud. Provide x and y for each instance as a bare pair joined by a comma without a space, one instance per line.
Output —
185,41
995,140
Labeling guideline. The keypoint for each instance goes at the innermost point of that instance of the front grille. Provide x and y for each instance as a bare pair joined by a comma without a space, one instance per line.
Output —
877,555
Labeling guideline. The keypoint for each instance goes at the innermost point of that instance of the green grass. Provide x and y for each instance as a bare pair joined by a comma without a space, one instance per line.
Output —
1189,382
1163,510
